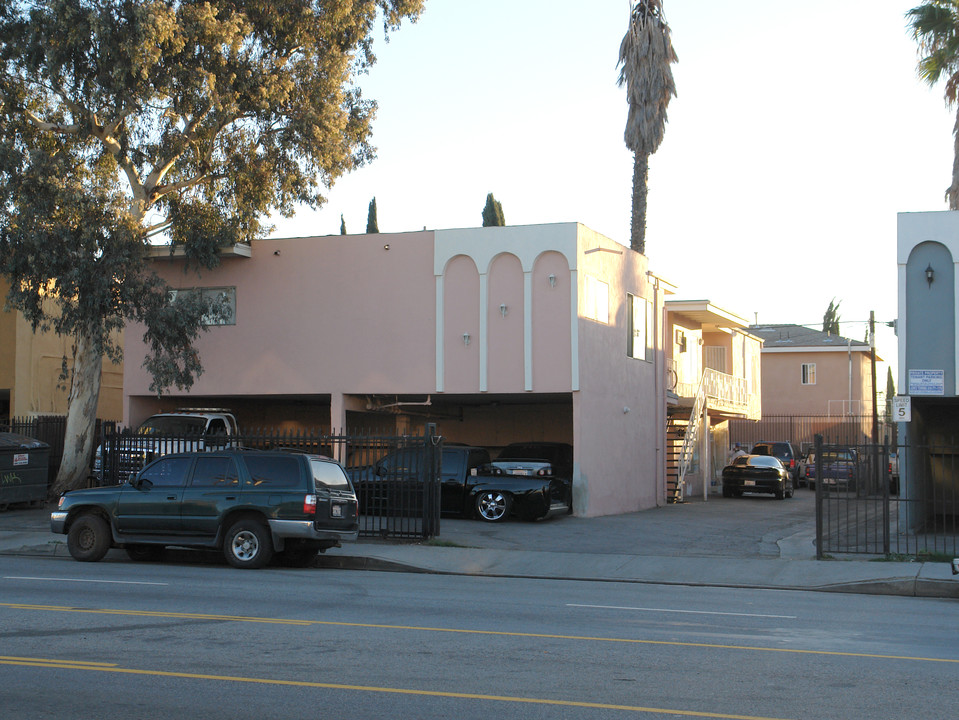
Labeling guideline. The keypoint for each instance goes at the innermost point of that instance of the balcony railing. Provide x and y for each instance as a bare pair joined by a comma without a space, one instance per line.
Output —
724,392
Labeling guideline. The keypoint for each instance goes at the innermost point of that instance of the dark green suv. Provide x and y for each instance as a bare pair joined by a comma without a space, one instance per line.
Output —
249,504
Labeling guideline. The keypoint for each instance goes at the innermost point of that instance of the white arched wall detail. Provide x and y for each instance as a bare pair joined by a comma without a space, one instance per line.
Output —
483,245
460,326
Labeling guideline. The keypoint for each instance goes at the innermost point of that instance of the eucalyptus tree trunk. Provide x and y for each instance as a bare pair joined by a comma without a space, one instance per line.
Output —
81,416
637,234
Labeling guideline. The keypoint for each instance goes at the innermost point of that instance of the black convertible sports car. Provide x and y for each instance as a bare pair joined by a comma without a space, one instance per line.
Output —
757,474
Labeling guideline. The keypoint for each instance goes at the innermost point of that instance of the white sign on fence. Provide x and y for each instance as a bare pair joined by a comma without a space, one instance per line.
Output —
902,408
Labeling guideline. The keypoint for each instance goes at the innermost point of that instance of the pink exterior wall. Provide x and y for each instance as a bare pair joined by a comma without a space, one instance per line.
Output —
784,393
349,317
620,410
315,315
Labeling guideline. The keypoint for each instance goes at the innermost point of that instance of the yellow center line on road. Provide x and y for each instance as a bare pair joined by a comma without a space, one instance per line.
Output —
464,631
102,667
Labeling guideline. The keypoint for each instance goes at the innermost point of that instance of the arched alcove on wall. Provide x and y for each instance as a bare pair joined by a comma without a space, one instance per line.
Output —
461,325
505,313
931,311
552,315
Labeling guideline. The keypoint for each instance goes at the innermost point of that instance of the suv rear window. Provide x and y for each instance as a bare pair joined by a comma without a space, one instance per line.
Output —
274,472
329,474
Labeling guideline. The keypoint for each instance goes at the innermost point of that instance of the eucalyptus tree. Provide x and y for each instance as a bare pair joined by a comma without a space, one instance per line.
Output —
935,26
195,119
646,56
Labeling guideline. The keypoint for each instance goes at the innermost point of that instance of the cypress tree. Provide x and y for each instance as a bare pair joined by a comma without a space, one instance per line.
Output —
342,225
493,212
371,225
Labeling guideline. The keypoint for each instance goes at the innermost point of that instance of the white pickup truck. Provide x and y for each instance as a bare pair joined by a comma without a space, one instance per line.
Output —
182,430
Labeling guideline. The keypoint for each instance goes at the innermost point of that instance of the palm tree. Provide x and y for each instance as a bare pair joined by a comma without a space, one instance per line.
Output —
935,25
645,57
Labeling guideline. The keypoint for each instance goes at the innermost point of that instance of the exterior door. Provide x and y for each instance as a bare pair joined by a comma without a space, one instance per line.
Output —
214,487
153,506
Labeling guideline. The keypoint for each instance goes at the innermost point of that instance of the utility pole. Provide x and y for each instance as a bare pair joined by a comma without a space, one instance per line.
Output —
872,362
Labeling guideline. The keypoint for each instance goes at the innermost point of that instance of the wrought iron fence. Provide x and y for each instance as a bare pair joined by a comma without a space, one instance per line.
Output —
801,430
886,500
396,476
50,429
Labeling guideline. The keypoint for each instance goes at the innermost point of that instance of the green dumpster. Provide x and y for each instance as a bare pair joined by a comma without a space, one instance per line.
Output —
23,469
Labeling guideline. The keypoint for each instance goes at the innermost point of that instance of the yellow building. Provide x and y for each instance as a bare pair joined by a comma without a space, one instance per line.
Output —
30,366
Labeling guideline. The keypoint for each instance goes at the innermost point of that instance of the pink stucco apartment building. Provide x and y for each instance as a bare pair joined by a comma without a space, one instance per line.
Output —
498,334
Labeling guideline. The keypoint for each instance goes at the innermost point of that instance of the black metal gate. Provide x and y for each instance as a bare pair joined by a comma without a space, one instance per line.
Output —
886,500
396,477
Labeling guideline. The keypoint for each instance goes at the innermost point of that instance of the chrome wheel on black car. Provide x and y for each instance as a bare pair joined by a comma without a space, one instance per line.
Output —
493,505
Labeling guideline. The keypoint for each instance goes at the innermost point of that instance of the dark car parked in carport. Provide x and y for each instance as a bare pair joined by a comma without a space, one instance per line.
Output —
469,486
757,474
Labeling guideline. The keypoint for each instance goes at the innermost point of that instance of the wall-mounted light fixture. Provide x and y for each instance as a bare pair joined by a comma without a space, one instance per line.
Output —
466,338
552,280
386,247
930,274
503,310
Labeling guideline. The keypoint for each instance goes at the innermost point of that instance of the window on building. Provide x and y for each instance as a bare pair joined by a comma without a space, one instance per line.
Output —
639,343
809,373
597,300
716,358
222,300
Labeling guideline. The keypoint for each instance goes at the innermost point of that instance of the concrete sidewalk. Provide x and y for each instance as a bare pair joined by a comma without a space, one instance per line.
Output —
747,542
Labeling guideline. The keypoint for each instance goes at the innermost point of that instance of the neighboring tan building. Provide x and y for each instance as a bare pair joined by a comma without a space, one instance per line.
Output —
811,373
30,367
714,367
500,334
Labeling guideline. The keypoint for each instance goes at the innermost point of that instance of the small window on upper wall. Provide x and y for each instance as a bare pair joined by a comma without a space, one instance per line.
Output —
597,300
809,373
222,303
639,341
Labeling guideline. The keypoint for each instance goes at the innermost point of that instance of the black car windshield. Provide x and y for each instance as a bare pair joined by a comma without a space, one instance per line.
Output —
172,426
329,474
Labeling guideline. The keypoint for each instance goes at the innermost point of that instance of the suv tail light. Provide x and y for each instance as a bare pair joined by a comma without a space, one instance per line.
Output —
544,471
309,504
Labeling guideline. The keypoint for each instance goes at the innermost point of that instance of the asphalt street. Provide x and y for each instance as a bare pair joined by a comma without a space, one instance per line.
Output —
754,542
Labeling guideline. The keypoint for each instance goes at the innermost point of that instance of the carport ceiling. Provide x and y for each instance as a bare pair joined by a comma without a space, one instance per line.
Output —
446,400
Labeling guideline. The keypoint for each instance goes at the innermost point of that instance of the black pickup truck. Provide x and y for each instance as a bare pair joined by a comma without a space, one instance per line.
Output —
470,486
249,504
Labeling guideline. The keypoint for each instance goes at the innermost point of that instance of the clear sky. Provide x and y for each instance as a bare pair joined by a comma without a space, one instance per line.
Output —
798,132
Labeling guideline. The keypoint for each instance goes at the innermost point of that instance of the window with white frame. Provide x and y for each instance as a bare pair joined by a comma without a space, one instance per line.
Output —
809,373
597,300
222,302
639,341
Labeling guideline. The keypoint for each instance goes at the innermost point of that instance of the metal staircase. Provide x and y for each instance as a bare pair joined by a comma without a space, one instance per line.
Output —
678,464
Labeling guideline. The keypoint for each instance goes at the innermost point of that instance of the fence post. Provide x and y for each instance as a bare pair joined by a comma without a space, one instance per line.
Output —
885,479
819,495
431,493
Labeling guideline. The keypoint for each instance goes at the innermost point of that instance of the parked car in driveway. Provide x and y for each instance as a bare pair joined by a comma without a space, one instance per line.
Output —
787,453
247,504
470,486
757,474
839,468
